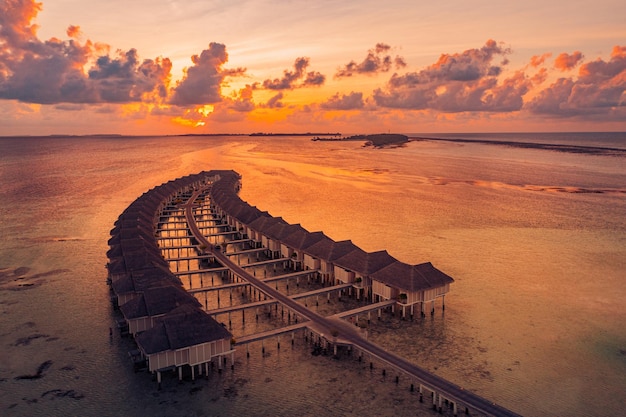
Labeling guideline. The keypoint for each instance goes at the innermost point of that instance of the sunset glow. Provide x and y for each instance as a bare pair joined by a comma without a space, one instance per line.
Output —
170,67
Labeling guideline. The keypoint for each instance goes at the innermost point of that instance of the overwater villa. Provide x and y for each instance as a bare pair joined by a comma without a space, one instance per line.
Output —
175,332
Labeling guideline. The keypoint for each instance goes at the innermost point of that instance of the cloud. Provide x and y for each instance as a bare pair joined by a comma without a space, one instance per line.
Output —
352,101
124,79
52,71
290,79
460,82
538,60
202,82
600,89
73,31
565,61
243,100
376,61
275,102
552,100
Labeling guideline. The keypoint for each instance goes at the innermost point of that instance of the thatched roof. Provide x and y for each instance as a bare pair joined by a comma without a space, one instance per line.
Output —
139,280
365,263
183,327
330,250
157,301
412,277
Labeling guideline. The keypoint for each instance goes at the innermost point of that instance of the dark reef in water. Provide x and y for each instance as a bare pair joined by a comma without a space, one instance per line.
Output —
40,371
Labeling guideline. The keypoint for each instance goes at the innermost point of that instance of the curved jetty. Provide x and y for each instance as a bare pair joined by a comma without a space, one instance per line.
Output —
200,222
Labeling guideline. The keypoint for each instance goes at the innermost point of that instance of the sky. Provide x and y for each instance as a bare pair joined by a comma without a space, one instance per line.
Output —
156,67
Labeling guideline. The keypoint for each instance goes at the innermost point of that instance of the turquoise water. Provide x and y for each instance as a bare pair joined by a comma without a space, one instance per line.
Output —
534,238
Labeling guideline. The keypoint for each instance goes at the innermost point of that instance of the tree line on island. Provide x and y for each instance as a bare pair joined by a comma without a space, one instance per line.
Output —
377,140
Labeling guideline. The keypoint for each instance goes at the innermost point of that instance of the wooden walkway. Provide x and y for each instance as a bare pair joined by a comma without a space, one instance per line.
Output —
319,291
201,271
290,275
230,242
261,263
189,258
217,287
364,309
232,309
270,333
244,252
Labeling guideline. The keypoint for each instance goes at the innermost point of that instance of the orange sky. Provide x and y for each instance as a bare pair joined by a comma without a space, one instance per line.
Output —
168,66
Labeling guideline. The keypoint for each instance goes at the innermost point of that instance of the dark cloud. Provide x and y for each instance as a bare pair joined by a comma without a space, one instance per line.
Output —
599,89
313,79
552,100
466,81
51,71
377,60
275,102
350,101
202,82
565,61
296,78
124,79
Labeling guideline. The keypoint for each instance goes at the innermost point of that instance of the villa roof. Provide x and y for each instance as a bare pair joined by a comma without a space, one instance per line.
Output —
157,301
264,223
412,277
140,280
365,263
329,250
183,327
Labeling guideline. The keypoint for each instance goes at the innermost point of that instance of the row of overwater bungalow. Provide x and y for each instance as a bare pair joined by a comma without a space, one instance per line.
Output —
377,276
170,328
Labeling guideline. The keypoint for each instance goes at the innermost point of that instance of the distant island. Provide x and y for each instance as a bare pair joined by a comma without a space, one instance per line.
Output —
295,134
378,140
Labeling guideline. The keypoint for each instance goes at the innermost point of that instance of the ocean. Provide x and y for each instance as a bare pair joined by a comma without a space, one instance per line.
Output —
534,235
